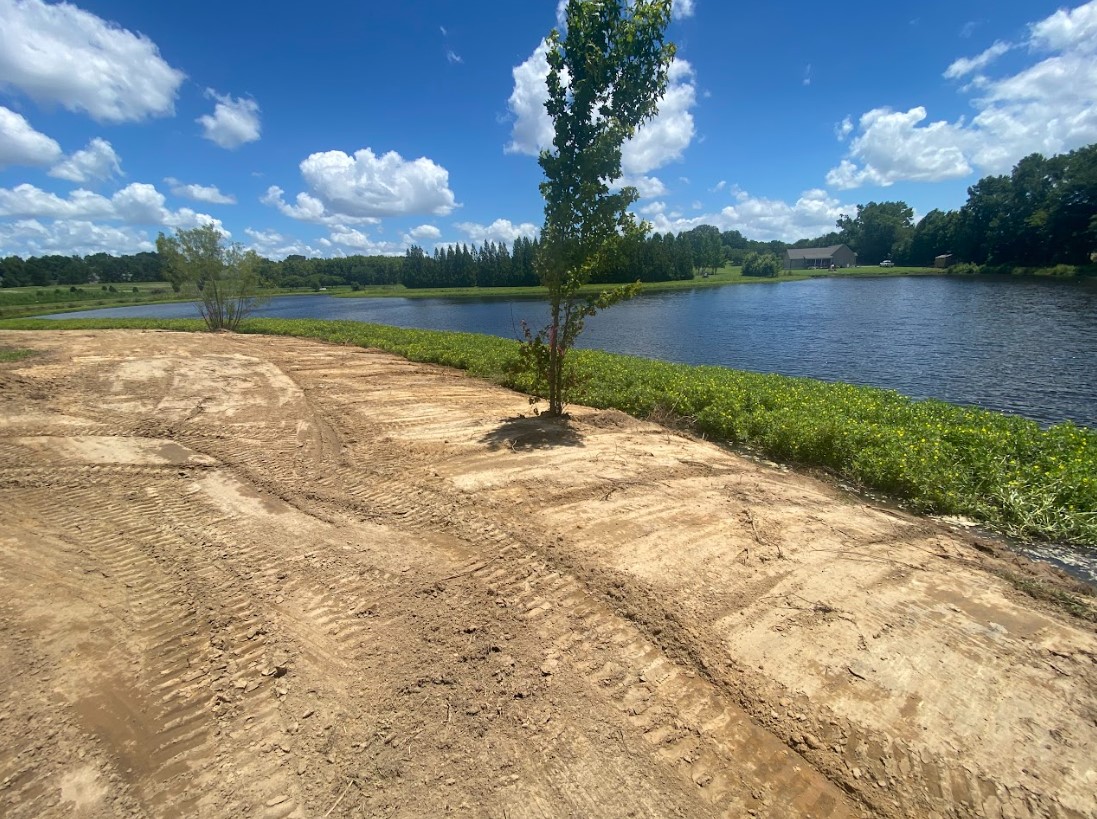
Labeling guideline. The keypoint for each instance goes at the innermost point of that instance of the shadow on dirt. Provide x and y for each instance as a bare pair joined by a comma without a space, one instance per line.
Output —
538,432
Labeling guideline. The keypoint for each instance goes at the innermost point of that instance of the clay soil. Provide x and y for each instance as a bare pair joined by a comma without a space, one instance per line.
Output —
269,577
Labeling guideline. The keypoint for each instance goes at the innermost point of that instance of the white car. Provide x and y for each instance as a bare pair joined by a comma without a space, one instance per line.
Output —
887,263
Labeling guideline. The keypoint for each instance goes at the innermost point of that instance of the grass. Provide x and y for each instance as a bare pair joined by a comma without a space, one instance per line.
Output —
1001,470
15,353
24,301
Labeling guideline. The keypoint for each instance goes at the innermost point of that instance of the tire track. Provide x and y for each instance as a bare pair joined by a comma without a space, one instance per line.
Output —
171,700
699,733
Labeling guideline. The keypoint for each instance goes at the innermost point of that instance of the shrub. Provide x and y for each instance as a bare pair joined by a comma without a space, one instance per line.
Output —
762,265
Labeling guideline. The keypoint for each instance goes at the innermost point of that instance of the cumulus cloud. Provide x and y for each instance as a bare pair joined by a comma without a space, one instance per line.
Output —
929,153
200,193
20,144
273,245
667,136
647,187
423,233
814,213
1067,29
659,141
365,187
360,242
58,53
532,128
234,121
501,230
65,237
135,204
97,162
1049,106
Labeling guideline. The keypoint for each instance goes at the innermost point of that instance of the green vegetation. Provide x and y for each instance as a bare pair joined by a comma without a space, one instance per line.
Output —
221,279
762,265
1001,470
25,301
15,353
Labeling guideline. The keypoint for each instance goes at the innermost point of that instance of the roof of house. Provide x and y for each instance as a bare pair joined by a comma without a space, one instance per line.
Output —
813,252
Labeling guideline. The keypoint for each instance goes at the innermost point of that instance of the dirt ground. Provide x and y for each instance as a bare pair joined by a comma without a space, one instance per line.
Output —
269,577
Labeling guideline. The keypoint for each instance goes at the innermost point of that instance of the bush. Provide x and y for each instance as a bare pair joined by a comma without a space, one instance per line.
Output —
762,265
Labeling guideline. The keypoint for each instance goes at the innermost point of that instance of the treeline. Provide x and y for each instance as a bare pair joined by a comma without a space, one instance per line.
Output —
652,259
49,271
1044,213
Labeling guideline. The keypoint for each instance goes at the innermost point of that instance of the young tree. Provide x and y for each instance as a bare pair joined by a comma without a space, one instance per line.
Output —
607,73
224,279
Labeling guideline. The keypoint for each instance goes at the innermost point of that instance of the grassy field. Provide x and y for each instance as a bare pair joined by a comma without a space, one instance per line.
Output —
1003,471
25,301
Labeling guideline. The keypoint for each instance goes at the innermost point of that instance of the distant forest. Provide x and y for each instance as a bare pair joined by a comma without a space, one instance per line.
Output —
1042,214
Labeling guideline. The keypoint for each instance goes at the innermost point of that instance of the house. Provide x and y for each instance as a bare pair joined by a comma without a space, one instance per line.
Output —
943,261
819,258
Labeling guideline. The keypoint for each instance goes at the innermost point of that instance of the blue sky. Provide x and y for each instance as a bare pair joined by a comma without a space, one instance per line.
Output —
332,128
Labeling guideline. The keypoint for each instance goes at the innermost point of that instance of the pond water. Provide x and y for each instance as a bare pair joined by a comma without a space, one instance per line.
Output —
1021,346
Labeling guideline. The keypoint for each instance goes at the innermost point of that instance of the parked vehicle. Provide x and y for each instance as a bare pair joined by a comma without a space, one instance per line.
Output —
887,263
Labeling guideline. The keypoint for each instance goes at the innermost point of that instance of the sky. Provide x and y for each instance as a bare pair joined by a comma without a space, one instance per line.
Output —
336,128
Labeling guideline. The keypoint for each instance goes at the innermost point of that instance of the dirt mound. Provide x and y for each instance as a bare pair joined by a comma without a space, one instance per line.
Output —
249,576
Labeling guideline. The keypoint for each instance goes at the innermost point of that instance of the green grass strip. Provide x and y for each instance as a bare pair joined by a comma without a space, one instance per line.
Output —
1001,470
14,353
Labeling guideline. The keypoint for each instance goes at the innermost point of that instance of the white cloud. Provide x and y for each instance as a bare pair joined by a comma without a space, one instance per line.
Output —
135,204
361,243
1049,107
273,245
892,147
807,74
453,57
30,237
200,193
532,129
682,9
234,120
843,129
427,233
1067,30
58,53
97,162
647,187
307,209
659,141
20,144
813,214
364,187
501,230
966,65
667,136
719,186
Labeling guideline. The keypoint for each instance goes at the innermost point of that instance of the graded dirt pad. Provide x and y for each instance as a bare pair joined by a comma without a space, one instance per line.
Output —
269,577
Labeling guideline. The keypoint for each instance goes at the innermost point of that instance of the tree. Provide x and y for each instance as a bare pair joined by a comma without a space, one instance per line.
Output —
224,279
764,265
607,74
877,230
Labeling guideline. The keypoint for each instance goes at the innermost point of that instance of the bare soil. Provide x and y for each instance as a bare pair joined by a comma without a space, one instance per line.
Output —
269,577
